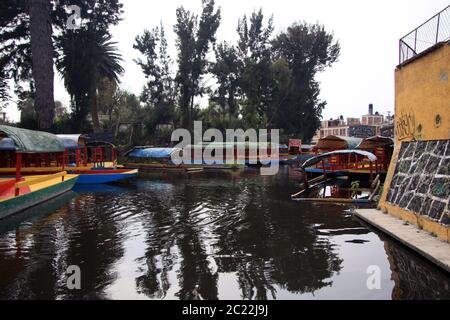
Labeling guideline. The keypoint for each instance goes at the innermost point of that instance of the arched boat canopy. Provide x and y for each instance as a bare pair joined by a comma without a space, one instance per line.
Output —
317,159
72,141
337,142
155,153
375,142
29,141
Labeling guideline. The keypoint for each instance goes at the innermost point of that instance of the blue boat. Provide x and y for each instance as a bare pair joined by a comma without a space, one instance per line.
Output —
89,161
105,176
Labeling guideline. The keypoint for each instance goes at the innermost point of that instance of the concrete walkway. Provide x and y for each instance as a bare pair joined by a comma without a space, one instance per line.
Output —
418,240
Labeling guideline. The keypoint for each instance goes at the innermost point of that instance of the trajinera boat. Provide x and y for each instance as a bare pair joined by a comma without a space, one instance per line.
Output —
95,163
27,175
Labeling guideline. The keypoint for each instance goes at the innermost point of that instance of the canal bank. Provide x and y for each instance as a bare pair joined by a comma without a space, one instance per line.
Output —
414,206
420,241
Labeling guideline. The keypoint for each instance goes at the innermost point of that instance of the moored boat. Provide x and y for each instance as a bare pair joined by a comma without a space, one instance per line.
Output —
95,163
22,149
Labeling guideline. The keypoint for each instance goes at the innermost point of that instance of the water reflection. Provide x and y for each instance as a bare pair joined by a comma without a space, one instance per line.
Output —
209,236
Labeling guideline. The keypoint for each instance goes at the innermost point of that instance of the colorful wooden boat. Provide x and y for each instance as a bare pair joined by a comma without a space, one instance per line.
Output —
22,149
95,163
105,176
31,191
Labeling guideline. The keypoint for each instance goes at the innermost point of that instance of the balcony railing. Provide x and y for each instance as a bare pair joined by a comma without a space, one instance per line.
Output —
428,34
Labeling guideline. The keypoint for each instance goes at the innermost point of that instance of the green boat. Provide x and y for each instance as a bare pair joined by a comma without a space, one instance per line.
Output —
33,149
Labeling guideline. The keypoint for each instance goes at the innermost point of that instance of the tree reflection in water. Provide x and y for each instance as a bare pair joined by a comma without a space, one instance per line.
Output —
206,236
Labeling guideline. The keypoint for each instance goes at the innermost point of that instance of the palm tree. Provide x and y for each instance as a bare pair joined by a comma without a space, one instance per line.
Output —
42,60
87,56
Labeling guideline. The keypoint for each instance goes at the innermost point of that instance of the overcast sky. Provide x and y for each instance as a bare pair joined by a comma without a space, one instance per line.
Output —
368,32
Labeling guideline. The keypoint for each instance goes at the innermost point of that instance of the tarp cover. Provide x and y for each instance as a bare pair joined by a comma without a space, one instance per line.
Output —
157,153
317,159
28,141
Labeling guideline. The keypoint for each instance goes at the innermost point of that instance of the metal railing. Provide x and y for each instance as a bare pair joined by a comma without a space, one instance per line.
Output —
431,32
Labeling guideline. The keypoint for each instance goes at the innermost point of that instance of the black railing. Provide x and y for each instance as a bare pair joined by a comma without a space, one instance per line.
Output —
428,34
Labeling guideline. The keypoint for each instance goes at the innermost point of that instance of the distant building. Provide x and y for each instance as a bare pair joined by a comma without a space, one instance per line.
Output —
369,125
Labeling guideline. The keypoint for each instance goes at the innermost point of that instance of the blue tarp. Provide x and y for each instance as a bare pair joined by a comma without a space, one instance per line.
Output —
157,153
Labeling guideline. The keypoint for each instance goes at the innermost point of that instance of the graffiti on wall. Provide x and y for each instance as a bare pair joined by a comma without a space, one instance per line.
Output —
406,127
421,181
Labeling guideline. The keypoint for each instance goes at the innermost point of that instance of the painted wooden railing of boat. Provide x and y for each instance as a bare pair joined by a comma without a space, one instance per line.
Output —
95,163
21,152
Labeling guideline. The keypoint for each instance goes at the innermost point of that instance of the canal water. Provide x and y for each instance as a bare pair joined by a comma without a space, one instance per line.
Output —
235,235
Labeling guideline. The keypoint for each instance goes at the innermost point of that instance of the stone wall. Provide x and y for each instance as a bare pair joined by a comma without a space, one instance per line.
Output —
421,180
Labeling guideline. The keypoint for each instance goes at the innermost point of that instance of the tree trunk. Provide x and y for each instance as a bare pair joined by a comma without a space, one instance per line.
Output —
42,61
93,107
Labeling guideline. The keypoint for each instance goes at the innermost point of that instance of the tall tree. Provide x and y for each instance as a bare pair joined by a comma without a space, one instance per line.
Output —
307,49
87,56
158,94
194,38
227,69
42,61
15,51
256,79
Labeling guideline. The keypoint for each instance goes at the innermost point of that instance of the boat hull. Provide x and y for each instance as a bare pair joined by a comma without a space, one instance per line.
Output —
101,176
17,204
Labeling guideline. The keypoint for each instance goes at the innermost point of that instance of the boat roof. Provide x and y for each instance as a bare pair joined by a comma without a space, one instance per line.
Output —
29,141
72,141
312,161
375,142
338,142
157,153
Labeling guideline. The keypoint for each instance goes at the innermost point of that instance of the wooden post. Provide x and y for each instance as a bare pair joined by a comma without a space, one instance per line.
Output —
18,169
78,157
114,156
65,156
305,179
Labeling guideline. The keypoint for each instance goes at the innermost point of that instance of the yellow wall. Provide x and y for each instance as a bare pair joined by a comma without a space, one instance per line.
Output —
422,93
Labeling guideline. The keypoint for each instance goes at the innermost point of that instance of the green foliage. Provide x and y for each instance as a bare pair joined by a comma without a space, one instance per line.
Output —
227,70
256,81
15,50
307,49
86,57
194,38
159,92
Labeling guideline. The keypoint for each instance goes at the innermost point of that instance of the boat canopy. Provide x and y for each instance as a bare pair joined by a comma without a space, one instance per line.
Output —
156,153
375,142
72,141
29,141
317,159
337,142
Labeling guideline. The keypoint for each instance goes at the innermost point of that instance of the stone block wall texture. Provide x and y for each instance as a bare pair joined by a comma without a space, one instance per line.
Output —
421,180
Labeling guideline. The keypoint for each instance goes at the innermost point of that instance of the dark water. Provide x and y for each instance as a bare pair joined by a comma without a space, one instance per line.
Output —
217,236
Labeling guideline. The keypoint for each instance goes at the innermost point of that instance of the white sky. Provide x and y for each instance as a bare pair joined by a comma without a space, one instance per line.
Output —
367,30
